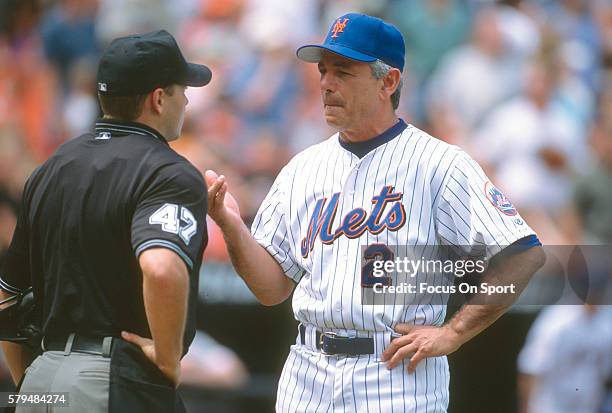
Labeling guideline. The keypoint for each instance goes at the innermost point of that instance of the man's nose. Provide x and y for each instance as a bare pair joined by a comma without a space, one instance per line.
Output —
327,83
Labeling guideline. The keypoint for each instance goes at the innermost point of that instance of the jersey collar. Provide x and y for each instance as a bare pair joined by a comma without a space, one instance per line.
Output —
362,148
115,128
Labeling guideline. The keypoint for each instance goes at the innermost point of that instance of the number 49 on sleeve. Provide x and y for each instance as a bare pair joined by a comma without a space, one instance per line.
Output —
168,217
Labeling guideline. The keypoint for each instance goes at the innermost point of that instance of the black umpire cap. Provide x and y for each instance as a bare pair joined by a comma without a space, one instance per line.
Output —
140,63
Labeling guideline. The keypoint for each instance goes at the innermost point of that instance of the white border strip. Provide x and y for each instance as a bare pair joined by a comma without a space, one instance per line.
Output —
166,244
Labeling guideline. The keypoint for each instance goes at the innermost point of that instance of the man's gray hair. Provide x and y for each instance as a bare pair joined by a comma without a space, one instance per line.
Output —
379,70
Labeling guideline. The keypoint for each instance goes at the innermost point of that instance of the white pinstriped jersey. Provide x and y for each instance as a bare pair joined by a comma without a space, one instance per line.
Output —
327,204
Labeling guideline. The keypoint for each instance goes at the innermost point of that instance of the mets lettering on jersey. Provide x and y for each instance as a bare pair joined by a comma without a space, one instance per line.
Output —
325,205
356,221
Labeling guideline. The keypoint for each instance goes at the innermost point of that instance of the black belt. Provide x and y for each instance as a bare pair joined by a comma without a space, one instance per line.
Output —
332,344
79,344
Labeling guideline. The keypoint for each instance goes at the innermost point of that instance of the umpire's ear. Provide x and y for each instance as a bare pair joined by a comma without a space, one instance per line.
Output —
155,100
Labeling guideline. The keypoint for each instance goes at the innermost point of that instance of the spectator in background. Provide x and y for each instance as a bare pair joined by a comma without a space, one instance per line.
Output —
27,87
602,13
299,19
473,78
566,360
519,27
116,18
593,197
80,108
68,34
332,9
574,23
431,28
265,85
212,365
533,147
210,35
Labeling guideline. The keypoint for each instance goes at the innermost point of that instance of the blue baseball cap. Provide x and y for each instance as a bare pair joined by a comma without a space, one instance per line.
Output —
359,37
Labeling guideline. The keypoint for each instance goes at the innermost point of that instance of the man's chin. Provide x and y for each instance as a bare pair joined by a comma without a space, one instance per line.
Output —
333,122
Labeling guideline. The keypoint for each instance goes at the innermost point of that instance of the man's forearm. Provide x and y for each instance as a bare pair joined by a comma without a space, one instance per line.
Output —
165,294
516,269
166,308
260,271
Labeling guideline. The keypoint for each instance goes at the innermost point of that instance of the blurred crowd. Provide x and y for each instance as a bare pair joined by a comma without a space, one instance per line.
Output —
524,86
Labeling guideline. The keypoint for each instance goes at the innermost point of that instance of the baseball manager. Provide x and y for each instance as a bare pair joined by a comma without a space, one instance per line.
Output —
378,182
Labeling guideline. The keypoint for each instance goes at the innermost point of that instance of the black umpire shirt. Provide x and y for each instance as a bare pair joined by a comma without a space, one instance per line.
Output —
88,213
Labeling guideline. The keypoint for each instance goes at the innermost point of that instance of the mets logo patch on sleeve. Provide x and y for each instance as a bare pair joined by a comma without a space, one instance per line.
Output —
499,200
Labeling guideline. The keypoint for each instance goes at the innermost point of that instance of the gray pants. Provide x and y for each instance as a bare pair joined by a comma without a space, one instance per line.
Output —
84,376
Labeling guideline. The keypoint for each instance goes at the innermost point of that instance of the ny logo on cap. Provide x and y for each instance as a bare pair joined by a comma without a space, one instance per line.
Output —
339,27
102,87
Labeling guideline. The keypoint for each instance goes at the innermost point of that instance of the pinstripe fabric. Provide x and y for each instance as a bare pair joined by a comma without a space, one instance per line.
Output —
445,203
314,383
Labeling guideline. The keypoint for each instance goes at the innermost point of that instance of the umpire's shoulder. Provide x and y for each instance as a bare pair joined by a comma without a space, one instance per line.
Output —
161,164
181,169
62,154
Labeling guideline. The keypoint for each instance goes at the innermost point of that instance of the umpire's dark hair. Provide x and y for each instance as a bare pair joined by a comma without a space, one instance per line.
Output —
125,108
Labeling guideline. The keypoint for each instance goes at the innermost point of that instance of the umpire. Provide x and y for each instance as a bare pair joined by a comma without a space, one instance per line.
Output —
110,237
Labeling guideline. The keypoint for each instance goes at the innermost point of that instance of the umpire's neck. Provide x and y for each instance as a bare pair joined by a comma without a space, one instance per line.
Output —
164,110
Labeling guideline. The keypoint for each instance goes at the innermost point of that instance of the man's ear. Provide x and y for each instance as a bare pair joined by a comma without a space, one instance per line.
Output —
391,82
156,100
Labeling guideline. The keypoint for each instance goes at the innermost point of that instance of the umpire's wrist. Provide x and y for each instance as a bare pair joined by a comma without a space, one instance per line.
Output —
173,373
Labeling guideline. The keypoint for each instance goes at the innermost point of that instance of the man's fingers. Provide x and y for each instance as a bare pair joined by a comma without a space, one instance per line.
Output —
220,197
133,338
401,354
212,195
210,177
215,185
416,359
215,195
409,328
395,345
399,342
404,328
